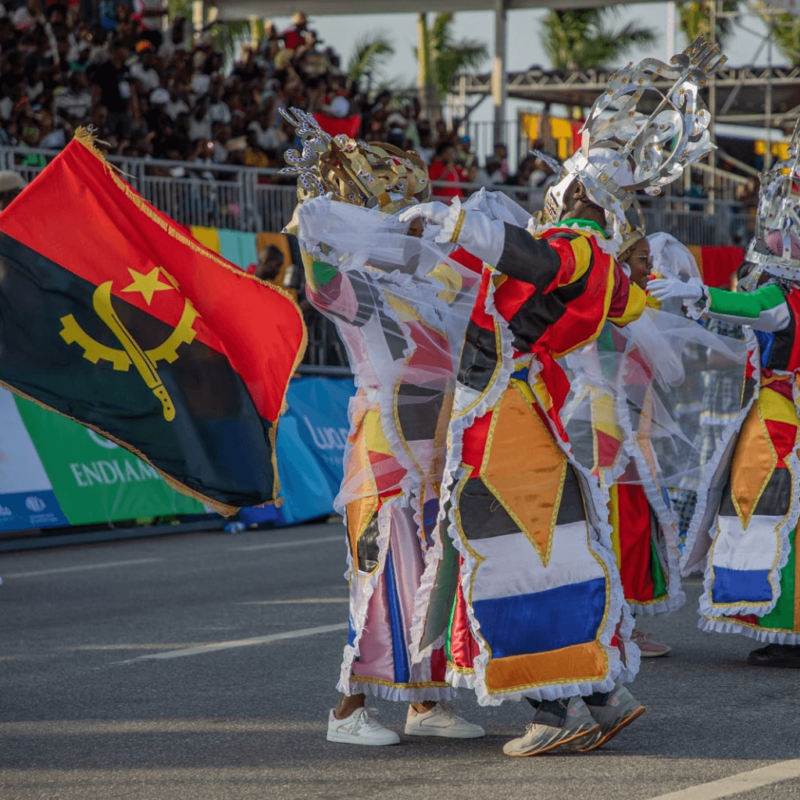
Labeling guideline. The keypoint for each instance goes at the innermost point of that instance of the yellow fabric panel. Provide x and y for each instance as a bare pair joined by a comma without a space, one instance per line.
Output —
753,464
207,237
613,519
575,664
776,407
637,300
524,469
562,133
373,430
582,251
360,482
405,312
450,280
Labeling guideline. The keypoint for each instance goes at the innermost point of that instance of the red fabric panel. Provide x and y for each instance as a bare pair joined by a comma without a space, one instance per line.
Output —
793,301
474,442
463,647
783,436
634,542
719,263
334,126
438,665
76,214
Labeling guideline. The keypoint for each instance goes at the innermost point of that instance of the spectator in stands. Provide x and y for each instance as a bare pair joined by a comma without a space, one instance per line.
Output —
72,105
293,37
501,154
11,184
143,68
270,263
444,168
113,91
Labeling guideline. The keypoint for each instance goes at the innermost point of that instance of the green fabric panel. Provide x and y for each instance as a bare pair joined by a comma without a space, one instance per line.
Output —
782,616
582,223
447,650
657,573
323,273
746,306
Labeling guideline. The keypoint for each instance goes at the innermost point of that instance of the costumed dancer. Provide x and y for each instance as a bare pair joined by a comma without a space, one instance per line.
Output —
387,309
521,582
752,572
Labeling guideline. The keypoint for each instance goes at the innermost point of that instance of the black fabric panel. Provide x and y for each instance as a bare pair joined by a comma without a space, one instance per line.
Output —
217,445
541,310
482,516
527,259
571,508
418,410
774,502
478,357
781,353
367,547
369,300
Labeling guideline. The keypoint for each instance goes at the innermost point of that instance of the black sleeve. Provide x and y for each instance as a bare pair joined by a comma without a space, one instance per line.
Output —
528,259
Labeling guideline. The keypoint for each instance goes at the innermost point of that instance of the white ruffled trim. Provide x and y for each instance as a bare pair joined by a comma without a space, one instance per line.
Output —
665,516
360,607
450,477
619,620
760,635
784,532
688,564
607,245
445,236
399,694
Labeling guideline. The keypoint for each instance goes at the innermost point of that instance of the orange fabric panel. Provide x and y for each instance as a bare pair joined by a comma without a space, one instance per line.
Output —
578,663
754,462
529,488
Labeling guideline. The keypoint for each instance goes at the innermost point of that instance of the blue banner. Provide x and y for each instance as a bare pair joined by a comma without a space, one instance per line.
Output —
311,441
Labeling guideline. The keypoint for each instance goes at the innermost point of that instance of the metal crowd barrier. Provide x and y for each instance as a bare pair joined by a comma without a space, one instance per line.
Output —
251,199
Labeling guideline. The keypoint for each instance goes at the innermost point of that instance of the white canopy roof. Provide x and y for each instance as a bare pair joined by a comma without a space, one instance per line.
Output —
231,10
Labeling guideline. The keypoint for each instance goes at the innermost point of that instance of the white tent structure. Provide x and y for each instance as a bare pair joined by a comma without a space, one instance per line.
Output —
234,10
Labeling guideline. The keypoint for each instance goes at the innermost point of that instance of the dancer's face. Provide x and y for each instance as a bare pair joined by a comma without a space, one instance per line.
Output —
639,260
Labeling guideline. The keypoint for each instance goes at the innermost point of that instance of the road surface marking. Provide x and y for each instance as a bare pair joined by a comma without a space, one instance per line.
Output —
211,648
293,543
78,569
743,782
298,600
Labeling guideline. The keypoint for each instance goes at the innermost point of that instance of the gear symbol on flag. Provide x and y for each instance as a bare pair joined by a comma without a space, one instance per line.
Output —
145,361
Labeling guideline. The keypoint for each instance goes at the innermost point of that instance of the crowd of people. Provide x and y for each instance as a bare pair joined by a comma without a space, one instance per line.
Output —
157,90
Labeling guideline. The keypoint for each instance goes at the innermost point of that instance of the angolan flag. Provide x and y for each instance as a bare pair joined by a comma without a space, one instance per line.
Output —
111,315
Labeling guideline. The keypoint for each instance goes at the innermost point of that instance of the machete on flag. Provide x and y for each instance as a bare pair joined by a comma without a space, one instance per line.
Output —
112,316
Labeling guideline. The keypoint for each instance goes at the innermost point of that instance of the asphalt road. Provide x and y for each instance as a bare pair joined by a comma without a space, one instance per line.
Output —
202,666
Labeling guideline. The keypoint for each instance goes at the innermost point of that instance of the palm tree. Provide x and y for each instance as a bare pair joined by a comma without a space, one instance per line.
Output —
785,31
580,38
694,18
441,57
371,53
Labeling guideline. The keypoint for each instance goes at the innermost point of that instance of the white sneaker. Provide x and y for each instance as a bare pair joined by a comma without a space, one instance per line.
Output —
537,738
361,727
621,709
441,720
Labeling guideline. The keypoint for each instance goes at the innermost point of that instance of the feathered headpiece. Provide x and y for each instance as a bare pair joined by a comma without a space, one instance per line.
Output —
775,248
371,175
624,150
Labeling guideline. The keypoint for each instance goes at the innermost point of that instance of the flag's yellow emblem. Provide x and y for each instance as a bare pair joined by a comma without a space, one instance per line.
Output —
131,352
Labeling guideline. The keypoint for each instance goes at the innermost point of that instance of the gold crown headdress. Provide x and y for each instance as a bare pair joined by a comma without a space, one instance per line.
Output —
371,175
624,150
775,248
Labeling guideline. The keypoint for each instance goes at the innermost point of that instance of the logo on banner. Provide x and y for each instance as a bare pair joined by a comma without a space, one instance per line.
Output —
5,511
35,504
145,361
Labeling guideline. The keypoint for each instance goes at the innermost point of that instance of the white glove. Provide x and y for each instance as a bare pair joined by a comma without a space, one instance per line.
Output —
665,288
434,212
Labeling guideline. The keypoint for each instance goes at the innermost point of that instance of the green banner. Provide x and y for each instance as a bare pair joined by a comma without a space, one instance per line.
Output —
95,480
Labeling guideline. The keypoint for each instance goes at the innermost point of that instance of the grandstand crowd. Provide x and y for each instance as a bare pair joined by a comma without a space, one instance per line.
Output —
153,90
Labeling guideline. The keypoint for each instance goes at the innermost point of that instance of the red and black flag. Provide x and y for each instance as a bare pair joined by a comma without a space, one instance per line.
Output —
111,315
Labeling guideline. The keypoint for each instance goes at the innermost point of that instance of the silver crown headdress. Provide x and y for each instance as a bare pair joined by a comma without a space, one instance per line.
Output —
624,150
775,248
374,174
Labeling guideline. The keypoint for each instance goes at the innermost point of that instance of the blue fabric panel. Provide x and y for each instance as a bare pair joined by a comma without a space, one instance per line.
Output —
401,670
542,621
238,247
737,585
765,342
